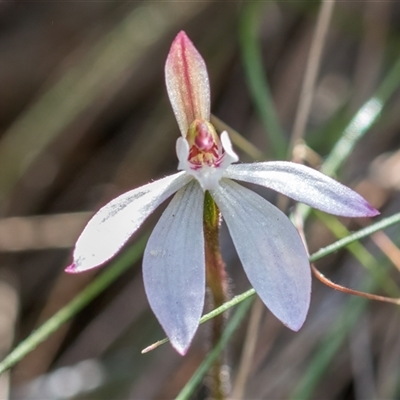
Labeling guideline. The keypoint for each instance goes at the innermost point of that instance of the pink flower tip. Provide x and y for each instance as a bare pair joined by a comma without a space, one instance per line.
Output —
373,212
71,269
370,211
187,82
181,36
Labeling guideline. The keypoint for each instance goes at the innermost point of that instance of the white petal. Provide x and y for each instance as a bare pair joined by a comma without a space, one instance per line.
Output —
207,176
271,251
174,267
113,225
304,184
230,156
182,152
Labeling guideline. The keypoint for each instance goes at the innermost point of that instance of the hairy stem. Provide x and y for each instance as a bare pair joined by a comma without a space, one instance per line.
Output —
218,286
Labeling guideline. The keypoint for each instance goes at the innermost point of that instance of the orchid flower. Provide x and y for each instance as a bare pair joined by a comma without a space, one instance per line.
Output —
268,245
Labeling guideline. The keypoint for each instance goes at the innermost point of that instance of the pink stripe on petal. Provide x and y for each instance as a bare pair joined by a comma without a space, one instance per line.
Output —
187,83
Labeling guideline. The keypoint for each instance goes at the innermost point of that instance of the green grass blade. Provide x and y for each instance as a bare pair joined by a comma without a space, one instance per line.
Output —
258,85
204,367
362,233
100,283
361,254
362,121
330,345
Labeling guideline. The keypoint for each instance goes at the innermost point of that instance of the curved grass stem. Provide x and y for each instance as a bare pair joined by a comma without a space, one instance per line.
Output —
74,306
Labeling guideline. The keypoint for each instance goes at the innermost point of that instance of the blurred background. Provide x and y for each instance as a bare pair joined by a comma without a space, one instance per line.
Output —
84,116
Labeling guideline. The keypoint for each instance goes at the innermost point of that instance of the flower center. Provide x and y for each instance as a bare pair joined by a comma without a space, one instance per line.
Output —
204,145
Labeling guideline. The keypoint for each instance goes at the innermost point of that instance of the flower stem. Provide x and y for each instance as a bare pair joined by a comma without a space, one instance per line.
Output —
231,327
217,283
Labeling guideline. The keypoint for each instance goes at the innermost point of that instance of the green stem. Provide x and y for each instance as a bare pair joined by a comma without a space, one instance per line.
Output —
362,233
365,258
205,366
258,85
218,285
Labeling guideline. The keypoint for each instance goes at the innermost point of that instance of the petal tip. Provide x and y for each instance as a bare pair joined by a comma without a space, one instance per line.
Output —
181,343
295,321
181,36
372,211
71,269
295,327
180,349
364,210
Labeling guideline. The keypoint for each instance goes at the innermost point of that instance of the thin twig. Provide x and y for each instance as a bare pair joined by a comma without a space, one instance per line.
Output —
344,289
311,73
249,347
387,247
238,140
